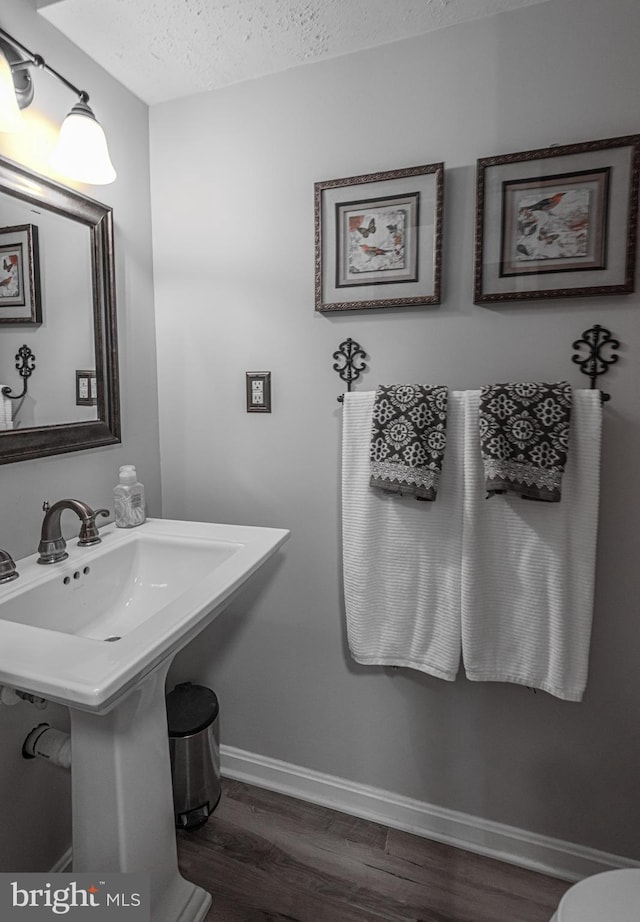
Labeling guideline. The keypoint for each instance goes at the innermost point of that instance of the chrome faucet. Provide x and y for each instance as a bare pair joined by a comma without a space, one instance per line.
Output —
7,567
52,547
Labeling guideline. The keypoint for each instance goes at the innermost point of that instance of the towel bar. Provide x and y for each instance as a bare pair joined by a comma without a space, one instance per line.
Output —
350,357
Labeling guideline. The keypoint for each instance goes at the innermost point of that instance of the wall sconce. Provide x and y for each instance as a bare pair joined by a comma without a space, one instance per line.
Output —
81,152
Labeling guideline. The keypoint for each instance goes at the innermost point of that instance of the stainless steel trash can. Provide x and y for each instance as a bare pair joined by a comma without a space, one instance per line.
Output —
194,746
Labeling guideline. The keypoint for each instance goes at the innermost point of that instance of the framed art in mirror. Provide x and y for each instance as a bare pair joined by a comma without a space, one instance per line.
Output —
558,222
378,239
20,275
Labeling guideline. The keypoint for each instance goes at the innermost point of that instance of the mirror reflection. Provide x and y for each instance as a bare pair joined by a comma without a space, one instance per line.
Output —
63,342
57,303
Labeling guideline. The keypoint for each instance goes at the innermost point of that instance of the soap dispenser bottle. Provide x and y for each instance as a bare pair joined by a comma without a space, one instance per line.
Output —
128,496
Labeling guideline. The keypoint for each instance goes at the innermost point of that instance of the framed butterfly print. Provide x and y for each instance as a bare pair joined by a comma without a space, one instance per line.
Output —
19,275
559,222
378,239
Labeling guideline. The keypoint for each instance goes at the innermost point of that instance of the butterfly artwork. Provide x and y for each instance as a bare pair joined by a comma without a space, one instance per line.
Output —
358,226
376,242
369,229
377,238
9,280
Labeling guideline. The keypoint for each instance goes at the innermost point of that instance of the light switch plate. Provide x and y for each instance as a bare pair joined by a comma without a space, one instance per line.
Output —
258,391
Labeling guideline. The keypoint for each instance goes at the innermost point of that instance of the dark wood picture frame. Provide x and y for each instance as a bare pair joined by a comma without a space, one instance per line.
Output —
558,222
378,239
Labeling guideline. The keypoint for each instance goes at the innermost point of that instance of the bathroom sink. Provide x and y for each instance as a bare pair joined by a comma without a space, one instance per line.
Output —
83,631
98,632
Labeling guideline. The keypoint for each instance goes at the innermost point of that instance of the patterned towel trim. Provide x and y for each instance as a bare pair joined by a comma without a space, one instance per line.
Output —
401,478
528,473
525,479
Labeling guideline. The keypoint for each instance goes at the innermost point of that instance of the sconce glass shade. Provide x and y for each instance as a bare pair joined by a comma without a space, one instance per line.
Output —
81,152
10,116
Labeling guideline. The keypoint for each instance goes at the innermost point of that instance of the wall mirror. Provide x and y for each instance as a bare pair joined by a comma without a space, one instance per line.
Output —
60,305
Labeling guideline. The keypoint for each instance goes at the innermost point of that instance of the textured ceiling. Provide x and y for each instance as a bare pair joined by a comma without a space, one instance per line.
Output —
164,49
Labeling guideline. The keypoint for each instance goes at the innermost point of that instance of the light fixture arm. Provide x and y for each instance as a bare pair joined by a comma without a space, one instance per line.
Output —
20,58
81,152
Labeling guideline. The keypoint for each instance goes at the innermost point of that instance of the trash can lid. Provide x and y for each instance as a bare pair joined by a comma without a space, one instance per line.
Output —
190,708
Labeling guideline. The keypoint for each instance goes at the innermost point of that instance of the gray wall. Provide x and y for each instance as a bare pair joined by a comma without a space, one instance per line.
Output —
232,188
35,805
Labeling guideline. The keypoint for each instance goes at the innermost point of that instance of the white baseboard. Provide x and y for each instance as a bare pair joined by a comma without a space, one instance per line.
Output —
495,840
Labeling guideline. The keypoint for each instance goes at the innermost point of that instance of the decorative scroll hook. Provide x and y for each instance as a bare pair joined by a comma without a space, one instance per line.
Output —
595,364
25,363
349,362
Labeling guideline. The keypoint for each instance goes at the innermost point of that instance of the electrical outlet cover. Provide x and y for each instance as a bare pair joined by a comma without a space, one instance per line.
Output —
258,391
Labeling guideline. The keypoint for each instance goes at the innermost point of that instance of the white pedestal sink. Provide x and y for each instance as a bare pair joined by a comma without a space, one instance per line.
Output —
97,632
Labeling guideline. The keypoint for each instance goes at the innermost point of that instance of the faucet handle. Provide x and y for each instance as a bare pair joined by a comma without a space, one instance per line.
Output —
89,531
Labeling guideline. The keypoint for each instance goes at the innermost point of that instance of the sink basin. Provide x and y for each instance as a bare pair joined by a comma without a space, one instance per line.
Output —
81,632
118,588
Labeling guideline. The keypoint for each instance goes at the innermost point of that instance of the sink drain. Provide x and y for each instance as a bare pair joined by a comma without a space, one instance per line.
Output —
112,639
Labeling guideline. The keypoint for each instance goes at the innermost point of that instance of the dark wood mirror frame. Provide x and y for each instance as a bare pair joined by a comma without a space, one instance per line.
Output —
39,441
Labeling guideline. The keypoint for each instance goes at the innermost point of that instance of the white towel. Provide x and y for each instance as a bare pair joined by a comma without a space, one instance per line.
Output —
6,411
528,568
401,557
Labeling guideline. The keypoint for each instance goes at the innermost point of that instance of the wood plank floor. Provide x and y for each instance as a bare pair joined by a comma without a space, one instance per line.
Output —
266,857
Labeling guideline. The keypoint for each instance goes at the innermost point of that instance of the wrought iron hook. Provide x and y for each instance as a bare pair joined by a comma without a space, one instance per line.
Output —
353,356
595,364
25,363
